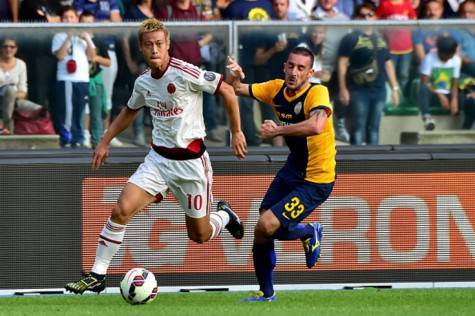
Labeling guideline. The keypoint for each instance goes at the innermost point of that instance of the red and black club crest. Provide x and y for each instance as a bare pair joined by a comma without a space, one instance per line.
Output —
171,88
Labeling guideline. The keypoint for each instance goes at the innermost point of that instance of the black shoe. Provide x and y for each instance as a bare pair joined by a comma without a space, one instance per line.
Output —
87,283
234,226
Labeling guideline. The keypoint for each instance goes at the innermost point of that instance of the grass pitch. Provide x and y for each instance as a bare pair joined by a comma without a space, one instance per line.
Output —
290,303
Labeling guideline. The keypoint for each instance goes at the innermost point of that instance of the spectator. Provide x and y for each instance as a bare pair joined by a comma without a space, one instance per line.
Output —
9,10
97,105
251,10
425,39
139,10
399,40
221,6
467,100
13,86
440,71
73,51
364,65
347,7
466,38
37,51
103,10
327,11
451,8
313,40
302,9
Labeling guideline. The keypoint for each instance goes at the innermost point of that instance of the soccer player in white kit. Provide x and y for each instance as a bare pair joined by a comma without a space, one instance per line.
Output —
178,161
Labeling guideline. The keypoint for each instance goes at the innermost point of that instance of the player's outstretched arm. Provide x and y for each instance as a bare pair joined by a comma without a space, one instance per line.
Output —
121,122
236,74
238,140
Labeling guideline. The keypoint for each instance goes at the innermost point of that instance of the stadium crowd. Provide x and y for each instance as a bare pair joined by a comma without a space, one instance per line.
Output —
84,79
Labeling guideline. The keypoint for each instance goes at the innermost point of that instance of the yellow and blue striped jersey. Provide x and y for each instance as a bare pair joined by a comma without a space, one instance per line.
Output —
314,156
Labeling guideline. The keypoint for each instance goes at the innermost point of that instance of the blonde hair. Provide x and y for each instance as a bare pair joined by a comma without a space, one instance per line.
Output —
152,25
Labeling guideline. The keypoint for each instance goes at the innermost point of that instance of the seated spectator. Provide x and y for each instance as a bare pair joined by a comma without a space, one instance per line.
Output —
364,64
13,86
467,101
440,71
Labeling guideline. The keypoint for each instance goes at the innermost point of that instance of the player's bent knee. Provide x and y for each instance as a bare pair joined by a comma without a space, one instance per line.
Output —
121,214
264,229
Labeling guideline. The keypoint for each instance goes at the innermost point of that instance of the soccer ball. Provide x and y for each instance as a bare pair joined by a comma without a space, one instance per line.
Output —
138,286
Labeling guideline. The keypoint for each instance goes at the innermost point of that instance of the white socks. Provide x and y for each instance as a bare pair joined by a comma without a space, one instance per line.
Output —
109,243
218,220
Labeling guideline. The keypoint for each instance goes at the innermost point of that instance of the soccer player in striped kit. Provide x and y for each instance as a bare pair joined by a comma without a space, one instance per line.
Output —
178,161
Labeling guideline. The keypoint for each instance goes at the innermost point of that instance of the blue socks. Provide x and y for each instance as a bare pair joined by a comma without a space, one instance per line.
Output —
301,231
264,255
264,264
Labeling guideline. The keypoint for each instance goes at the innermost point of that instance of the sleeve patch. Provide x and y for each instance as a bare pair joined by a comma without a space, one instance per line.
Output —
209,76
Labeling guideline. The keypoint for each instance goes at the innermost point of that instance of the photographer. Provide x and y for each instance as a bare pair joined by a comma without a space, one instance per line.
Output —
73,51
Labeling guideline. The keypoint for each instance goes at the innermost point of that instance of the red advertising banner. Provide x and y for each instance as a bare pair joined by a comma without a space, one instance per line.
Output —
371,222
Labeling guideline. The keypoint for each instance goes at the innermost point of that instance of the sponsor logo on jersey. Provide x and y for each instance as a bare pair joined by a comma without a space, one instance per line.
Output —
171,88
162,110
209,76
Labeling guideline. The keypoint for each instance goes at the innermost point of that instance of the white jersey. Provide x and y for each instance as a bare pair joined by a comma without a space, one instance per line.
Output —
175,101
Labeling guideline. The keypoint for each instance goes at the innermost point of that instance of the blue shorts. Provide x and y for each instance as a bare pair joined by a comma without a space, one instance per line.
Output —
292,199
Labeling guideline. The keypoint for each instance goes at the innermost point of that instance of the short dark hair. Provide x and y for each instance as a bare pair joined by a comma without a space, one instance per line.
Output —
304,51
86,14
65,9
361,6
446,44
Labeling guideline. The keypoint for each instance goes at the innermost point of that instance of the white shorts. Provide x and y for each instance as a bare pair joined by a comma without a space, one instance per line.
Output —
189,180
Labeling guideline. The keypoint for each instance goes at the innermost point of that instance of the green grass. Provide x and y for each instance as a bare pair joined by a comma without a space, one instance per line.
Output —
418,302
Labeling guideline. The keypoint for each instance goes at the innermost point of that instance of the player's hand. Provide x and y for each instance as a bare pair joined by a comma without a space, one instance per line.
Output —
100,155
239,145
234,69
269,129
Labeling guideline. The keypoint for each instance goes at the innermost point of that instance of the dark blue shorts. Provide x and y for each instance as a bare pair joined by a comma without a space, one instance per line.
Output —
292,199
